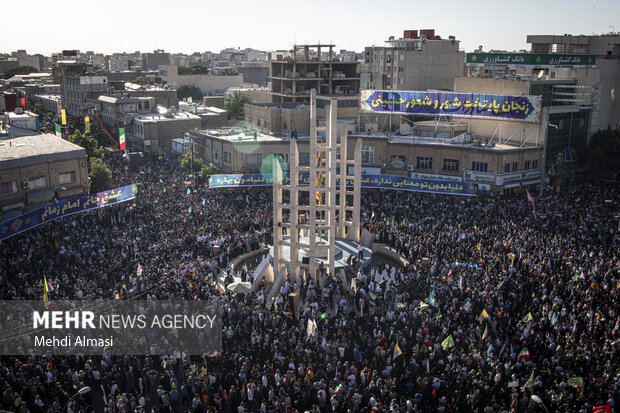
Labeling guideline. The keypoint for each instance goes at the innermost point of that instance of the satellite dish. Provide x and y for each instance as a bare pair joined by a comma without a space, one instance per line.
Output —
540,74
405,129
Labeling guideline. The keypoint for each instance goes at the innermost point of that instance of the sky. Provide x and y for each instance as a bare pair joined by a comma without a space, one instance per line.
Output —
188,26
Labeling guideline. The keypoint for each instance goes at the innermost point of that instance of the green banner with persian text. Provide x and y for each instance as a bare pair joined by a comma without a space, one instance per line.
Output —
531,59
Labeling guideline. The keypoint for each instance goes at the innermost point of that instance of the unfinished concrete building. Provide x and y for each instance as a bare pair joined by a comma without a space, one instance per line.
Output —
310,67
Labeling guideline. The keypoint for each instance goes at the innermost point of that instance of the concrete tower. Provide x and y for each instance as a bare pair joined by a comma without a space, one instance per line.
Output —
318,211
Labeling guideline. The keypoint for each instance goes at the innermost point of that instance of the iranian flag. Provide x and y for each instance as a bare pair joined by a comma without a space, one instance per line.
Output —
121,138
524,353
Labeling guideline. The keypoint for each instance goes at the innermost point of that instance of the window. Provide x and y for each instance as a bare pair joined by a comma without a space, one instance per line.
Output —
216,156
526,165
506,167
258,122
515,166
398,161
535,164
38,182
8,188
284,126
227,157
581,123
368,154
66,177
424,163
253,158
400,81
451,165
304,158
283,157
402,57
479,166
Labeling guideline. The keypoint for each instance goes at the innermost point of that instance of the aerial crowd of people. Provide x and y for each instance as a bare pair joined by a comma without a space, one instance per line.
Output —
502,305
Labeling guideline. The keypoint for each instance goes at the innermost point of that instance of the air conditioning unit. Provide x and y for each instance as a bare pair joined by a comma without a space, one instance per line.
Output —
26,184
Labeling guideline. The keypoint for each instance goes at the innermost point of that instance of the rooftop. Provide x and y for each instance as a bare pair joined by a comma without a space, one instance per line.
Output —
241,135
27,150
165,116
462,141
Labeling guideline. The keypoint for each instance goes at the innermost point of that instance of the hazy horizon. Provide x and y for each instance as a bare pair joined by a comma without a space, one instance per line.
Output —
199,26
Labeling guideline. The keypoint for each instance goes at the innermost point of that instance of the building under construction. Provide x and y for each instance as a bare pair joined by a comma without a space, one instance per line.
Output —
312,67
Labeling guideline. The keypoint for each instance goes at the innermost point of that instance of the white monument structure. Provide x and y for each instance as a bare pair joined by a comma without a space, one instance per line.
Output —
317,221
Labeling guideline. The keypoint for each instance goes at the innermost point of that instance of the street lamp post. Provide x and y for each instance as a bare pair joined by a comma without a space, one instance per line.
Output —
81,392
538,400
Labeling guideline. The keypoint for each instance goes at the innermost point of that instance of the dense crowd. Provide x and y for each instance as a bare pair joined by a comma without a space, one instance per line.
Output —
497,304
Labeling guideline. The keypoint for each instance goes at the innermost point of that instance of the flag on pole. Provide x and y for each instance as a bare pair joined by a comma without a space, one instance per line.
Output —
528,317
139,272
490,350
603,408
486,332
484,315
423,306
203,202
121,138
554,319
86,124
449,276
46,289
431,298
461,283
58,130
397,352
448,342
529,198
23,102
530,381
63,117
189,191
523,354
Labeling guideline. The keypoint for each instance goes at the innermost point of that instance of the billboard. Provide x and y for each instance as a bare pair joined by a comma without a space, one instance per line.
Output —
402,183
522,108
530,59
65,208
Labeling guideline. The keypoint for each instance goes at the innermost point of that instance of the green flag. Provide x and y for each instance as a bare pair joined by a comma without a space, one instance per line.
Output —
448,342
58,130
575,381
530,381
529,317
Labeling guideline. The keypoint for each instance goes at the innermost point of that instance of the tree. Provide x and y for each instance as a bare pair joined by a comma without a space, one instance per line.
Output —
234,104
194,70
208,170
186,91
93,149
99,174
19,70
604,153
186,162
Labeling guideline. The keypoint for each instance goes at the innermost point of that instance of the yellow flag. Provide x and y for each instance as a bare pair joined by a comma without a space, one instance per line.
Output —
46,290
319,179
397,352
484,315
86,124
63,117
